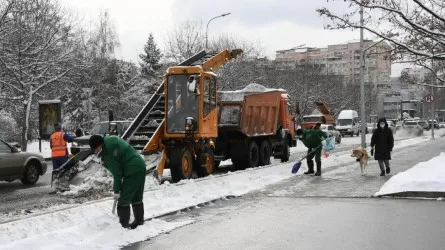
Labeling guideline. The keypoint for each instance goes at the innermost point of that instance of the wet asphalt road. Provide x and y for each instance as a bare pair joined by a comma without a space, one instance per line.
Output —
16,197
304,212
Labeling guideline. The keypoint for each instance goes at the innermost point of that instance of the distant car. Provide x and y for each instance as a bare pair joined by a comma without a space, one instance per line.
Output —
441,124
101,128
330,130
413,127
26,166
436,125
392,126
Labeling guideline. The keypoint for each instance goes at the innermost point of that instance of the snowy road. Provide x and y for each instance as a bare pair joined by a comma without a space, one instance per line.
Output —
92,226
305,212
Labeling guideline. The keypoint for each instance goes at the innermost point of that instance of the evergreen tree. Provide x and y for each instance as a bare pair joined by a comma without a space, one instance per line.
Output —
150,58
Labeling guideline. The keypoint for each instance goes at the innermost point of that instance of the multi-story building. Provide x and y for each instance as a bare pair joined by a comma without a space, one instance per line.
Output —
343,59
401,93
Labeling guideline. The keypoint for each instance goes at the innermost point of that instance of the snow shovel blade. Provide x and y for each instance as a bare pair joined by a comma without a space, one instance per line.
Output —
113,210
296,167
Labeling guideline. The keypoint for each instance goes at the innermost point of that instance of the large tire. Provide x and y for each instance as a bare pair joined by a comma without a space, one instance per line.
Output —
205,163
181,164
286,152
253,155
265,152
31,174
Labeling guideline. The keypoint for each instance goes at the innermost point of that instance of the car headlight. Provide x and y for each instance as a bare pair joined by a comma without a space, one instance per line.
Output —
349,129
74,144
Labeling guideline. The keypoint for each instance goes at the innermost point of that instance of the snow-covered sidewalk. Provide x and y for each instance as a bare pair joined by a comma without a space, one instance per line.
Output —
424,177
92,226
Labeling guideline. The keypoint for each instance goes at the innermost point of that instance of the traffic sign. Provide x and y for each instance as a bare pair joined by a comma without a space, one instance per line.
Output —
429,98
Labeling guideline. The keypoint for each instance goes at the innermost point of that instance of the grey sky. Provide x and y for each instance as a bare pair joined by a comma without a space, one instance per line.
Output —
275,24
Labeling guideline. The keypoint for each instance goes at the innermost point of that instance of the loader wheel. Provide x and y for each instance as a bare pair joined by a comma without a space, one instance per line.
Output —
205,163
253,156
286,152
181,164
265,152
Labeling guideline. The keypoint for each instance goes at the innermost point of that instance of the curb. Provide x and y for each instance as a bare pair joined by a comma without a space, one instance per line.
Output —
415,194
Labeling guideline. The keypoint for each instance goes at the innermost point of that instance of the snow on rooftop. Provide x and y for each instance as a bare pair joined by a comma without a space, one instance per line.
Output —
253,88
49,101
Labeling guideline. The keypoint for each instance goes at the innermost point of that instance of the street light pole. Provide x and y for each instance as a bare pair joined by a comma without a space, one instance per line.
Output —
362,82
207,27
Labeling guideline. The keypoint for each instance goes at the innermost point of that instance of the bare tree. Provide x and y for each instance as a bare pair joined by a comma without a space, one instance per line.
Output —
37,52
184,41
415,29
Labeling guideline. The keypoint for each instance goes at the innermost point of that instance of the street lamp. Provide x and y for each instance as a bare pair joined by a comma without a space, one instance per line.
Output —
207,27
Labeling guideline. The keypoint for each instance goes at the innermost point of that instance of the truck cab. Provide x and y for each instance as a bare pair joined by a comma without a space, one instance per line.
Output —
309,121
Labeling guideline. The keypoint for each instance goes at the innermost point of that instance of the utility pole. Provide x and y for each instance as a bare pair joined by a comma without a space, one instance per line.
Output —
362,82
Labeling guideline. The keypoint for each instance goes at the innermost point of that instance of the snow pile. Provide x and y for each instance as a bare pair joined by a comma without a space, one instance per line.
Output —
425,176
238,95
153,123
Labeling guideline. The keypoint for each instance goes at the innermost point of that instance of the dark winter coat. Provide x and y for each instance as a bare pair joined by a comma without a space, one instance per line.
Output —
122,160
383,140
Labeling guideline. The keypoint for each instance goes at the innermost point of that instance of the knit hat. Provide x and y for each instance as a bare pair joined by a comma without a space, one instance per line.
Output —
95,141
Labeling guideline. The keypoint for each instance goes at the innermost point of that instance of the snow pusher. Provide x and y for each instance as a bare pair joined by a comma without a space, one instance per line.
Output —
138,134
202,127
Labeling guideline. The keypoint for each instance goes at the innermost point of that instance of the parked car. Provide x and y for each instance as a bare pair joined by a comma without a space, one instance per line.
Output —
26,166
330,130
369,127
413,127
101,128
441,124
424,124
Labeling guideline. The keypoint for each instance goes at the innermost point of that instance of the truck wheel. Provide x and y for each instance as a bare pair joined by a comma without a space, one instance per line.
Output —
205,163
286,152
253,155
265,152
181,164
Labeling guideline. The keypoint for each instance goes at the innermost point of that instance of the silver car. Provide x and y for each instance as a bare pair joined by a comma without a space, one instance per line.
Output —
413,127
330,130
26,166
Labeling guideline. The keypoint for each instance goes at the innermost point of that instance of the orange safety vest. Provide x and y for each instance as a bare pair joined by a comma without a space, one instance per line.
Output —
58,145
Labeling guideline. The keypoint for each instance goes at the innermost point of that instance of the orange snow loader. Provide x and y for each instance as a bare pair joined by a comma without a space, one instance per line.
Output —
190,133
309,121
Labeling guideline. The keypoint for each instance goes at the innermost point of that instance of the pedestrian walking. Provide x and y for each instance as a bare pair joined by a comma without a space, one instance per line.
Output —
382,143
128,169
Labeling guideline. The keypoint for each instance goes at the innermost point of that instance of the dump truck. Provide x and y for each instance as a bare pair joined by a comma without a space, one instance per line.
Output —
309,121
190,136
254,124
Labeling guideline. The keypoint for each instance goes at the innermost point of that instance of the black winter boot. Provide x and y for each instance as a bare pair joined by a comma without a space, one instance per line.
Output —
138,212
318,173
382,173
124,215
310,166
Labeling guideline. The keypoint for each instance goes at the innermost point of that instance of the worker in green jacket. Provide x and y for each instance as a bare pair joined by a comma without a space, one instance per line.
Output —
128,169
312,139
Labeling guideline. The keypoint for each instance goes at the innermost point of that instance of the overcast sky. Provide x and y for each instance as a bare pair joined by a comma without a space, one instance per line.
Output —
275,24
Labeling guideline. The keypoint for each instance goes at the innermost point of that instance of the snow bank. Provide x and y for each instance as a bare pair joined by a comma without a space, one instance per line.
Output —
425,176
238,95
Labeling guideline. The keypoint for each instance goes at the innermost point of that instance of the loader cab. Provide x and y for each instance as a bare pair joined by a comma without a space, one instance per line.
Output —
191,105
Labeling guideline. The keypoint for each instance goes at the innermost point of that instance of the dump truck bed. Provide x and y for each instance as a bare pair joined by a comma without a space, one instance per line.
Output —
249,112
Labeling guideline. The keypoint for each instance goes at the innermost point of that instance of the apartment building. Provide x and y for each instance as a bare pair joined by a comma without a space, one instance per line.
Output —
343,59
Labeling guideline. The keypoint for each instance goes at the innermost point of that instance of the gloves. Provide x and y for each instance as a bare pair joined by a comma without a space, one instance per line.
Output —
116,196
372,151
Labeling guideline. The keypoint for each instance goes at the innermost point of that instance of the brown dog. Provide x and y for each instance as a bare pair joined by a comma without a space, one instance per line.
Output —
362,157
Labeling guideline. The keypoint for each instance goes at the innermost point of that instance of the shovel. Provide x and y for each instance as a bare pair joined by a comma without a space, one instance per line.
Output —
297,165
